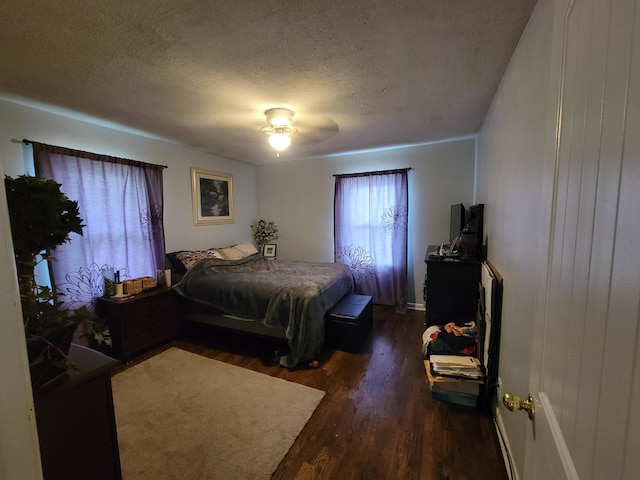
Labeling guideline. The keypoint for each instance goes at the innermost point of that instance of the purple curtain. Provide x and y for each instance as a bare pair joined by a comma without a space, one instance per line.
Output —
121,204
370,215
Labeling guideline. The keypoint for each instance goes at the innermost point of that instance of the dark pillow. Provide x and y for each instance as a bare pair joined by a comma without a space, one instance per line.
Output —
177,267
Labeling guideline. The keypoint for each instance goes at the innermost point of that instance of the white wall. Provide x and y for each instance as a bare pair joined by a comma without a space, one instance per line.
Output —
299,197
513,181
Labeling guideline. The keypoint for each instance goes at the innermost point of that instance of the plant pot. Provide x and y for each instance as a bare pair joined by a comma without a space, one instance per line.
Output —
48,357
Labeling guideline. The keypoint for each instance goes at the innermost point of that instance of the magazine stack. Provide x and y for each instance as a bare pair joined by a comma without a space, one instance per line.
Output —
455,378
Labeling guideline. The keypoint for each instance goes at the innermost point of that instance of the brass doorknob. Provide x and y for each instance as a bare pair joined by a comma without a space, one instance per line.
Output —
515,403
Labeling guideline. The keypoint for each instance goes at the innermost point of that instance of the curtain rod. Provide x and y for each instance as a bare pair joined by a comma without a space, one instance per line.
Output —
89,155
377,172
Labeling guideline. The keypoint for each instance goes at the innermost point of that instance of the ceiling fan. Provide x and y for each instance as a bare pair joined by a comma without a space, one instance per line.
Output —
280,127
308,129
280,124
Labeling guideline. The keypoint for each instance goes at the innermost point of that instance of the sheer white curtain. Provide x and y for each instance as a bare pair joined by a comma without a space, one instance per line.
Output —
370,217
121,204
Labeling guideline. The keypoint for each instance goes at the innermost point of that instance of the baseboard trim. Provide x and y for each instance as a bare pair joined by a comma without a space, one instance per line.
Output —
512,473
416,306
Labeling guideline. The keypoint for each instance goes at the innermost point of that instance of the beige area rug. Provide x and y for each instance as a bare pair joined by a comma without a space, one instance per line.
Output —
183,416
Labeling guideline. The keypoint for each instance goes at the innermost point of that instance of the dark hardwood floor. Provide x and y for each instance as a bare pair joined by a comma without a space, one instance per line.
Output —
377,420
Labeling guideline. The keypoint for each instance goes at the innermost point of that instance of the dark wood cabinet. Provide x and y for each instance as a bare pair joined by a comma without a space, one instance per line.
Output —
451,290
140,322
76,422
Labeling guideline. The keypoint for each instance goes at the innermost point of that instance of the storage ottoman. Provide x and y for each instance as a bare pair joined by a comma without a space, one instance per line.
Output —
348,323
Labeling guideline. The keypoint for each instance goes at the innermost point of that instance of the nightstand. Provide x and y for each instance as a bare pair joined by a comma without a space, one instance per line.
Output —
140,322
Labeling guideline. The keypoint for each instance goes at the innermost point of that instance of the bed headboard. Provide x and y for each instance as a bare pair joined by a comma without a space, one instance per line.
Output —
177,267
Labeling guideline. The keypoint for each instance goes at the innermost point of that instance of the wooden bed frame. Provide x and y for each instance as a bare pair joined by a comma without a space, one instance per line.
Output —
198,313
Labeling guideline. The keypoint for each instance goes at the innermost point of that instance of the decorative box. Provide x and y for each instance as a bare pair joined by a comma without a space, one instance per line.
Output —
149,282
131,287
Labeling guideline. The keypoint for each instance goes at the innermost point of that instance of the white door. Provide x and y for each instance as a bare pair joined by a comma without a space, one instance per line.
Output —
586,367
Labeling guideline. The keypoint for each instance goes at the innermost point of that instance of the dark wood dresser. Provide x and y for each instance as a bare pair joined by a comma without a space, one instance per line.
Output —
76,422
451,289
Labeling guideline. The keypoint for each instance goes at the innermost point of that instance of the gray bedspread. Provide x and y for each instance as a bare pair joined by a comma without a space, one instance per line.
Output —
292,294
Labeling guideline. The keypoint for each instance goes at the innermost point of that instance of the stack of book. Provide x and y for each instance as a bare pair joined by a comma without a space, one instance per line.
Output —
454,378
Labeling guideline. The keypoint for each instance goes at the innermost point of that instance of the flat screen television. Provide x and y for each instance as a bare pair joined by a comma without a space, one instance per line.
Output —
456,223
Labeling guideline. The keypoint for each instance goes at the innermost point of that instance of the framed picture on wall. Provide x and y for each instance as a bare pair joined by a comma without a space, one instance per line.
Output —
270,250
212,197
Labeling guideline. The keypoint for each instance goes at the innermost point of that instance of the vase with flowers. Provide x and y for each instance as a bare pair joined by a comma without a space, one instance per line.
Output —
263,232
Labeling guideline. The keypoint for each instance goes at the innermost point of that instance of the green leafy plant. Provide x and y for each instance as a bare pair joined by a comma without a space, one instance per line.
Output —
42,218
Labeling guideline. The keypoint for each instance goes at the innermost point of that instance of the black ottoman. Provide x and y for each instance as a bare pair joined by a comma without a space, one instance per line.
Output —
348,323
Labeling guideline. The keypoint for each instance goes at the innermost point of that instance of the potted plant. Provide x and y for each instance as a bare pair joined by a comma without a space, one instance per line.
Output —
264,232
42,218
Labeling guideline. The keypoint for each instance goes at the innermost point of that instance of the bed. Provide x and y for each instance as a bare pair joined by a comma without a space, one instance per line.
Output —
248,293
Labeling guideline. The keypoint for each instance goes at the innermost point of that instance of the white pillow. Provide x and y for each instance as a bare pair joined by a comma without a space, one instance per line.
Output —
248,248
237,252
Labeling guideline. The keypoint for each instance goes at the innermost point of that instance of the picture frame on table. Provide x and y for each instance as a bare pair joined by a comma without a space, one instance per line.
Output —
212,197
269,250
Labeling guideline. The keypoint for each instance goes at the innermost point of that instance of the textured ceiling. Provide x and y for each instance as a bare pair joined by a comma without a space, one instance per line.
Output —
358,74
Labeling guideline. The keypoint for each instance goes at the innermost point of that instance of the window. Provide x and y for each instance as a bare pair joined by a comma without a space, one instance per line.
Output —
370,220
121,205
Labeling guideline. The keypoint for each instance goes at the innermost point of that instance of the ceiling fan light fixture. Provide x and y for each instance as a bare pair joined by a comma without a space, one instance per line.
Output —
280,141
280,127
279,117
